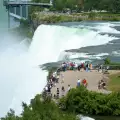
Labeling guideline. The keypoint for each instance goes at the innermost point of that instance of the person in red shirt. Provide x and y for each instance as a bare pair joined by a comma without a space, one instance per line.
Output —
84,82
82,65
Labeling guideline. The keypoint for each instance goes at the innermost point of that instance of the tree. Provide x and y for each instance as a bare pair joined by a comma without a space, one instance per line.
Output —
80,4
40,109
107,61
71,4
91,5
11,116
59,4
115,6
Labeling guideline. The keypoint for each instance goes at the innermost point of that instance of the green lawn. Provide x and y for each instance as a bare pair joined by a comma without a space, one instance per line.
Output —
114,82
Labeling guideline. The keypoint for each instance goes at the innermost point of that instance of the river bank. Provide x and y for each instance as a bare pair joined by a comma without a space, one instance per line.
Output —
55,17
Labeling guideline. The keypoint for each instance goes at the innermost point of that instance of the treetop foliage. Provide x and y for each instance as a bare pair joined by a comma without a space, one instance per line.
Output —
86,5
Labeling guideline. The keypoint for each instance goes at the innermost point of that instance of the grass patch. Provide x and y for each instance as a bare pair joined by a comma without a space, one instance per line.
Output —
114,82
57,18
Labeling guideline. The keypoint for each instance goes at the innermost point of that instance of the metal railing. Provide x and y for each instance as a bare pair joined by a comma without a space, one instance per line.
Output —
6,3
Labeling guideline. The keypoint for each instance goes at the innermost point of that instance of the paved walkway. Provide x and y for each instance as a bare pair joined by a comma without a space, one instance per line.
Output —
71,77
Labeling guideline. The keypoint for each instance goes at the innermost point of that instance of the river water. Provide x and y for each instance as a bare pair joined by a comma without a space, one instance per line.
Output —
20,76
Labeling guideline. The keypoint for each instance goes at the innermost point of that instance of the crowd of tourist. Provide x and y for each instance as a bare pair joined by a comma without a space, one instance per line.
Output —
54,78
52,81
74,66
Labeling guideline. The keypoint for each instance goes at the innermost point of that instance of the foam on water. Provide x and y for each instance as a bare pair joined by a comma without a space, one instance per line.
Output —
86,55
107,28
116,53
101,27
52,40
104,27
20,76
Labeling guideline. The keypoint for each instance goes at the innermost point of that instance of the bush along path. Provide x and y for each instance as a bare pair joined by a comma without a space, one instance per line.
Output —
80,100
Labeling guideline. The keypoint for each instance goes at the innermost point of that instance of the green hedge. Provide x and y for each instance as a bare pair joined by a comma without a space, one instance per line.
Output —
113,67
80,100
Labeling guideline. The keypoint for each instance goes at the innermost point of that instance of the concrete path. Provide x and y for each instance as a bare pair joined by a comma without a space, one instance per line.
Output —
71,77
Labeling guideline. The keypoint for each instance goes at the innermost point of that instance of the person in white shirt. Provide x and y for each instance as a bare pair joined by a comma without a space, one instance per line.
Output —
78,82
62,77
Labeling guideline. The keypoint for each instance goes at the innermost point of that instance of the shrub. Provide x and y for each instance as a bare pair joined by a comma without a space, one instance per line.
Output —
80,100
24,23
114,67
91,15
